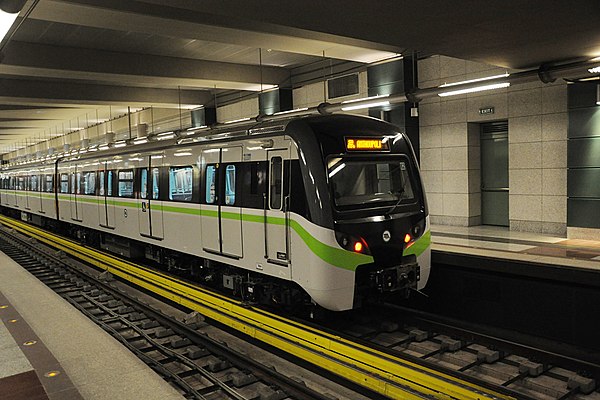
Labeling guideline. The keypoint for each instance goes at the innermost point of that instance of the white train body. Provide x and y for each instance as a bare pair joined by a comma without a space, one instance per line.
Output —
261,202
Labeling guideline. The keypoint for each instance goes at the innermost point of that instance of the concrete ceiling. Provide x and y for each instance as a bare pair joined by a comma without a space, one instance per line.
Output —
70,60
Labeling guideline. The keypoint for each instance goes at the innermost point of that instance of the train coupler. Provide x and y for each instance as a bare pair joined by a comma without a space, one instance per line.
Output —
399,277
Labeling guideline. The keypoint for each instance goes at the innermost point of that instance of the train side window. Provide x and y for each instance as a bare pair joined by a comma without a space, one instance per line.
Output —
21,183
155,183
144,184
180,183
89,183
64,183
78,183
230,185
49,185
126,183
101,184
109,183
276,183
211,190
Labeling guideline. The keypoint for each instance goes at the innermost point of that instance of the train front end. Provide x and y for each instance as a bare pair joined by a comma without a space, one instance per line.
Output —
379,207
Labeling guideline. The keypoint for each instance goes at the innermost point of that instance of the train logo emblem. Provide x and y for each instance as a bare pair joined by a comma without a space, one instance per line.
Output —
386,236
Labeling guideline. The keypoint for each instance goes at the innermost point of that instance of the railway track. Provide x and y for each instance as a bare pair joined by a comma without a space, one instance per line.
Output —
440,342
394,359
196,365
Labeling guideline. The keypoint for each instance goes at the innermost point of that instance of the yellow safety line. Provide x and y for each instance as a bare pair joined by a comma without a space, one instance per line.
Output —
380,372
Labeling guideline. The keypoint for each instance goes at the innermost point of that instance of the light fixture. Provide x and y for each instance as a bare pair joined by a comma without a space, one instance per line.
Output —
6,22
165,135
120,143
487,78
594,70
366,102
183,153
140,140
103,147
475,89
598,95
237,120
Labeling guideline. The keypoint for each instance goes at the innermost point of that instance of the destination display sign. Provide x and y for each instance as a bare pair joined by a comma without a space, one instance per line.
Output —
366,144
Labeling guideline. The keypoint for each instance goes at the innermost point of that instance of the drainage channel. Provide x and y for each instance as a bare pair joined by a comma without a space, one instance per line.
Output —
198,366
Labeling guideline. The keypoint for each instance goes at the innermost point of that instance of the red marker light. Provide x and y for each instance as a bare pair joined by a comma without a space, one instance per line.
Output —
407,238
358,247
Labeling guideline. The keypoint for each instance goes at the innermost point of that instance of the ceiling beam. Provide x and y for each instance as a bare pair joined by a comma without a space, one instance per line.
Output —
191,23
70,94
142,70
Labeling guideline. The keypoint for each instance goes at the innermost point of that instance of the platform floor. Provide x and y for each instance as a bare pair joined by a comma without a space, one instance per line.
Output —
72,358
500,242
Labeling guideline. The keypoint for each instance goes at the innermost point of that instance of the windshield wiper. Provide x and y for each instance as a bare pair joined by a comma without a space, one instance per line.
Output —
399,194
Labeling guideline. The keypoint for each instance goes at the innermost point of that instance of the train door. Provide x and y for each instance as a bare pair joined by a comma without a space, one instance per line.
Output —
106,210
276,211
76,213
230,212
150,207
221,213
27,189
41,190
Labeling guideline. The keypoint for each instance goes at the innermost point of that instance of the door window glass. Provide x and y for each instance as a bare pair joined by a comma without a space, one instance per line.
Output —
102,183
144,184
49,183
78,181
34,183
109,183
64,183
73,183
180,183
211,194
155,177
126,183
276,183
230,185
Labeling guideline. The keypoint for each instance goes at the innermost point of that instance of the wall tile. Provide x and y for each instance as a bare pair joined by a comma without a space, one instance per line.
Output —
474,157
430,136
554,99
473,67
554,182
451,67
525,155
524,102
435,203
454,158
454,135
474,204
525,129
431,159
555,126
454,111
554,209
525,181
456,205
433,181
456,181
429,68
525,207
474,180
430,114
526,226
554,228
554,154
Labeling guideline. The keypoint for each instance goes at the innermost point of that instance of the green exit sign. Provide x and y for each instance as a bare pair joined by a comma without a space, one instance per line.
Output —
486,110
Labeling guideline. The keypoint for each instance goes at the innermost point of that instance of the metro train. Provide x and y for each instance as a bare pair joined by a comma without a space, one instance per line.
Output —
327,210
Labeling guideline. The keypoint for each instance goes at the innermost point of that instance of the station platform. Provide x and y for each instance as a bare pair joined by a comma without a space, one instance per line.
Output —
501,243
49,350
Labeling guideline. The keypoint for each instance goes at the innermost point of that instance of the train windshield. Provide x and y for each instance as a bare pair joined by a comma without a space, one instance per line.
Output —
358,182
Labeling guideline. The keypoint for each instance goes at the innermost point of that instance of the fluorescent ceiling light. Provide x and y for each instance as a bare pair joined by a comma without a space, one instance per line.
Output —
140,140
379,96
165,135
487,78
291,111
366,105
181,154
595,70
120,143
237,120
475,89
6,22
